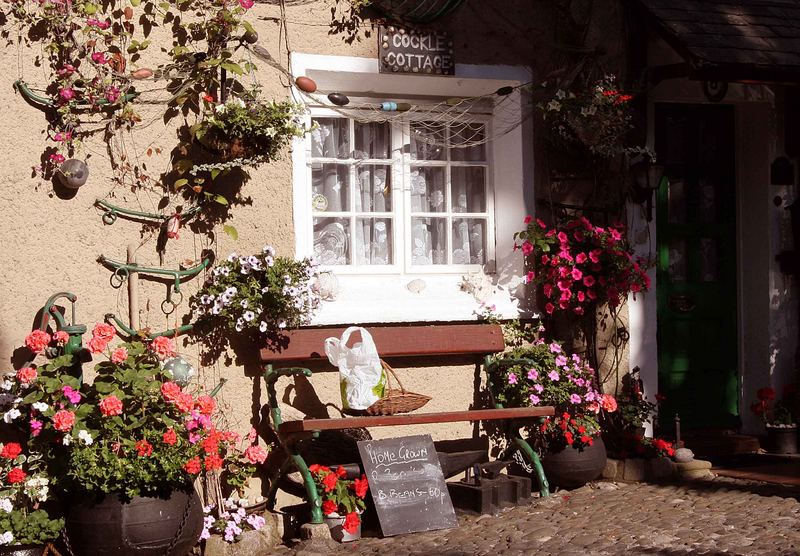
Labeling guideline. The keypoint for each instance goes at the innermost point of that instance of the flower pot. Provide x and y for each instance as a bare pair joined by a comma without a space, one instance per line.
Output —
22,550
335,523
144,526
571,468
782,440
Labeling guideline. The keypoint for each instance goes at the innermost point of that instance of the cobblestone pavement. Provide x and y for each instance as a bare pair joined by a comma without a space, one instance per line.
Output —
720,516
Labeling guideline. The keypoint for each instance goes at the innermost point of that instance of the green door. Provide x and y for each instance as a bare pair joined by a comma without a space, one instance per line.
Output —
696,274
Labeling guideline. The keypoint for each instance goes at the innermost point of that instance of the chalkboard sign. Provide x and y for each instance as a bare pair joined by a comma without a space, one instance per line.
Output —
410,51
407,485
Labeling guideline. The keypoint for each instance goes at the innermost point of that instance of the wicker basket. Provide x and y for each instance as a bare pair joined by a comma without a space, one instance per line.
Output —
396,400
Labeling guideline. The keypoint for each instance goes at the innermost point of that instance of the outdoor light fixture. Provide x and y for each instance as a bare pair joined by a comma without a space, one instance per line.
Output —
646,180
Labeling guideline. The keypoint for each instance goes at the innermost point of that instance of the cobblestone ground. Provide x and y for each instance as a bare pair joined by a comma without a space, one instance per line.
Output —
720,516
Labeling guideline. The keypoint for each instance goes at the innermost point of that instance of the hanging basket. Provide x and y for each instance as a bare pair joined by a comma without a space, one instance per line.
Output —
396,400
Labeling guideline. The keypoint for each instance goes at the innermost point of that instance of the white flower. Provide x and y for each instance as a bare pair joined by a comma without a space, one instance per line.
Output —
86,437
6,385
67,439
9,416
560,94
232,257
230,292
6,505
206,299
36,488
554,106
6,538
245,269
269,261
239,325
216,309
244,303
219,109
265,289
224,270
237,101
268,250
282,323
41,407
253,261
287,279
263,326
249,316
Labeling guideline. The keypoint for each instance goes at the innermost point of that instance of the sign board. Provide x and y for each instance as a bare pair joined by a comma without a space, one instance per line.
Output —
410,51
407,485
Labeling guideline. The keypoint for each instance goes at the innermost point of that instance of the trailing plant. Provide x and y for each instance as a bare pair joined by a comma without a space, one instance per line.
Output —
339,495
230,521
133,431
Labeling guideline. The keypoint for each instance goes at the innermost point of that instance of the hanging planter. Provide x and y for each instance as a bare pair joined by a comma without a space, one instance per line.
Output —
416,11
73,173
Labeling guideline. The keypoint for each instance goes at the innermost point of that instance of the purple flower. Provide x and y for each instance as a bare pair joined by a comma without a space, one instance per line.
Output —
555,348
590,396
533,374
553,375
576,358
575,398
539,388
72,395
512,378
580,382
561,361
534,399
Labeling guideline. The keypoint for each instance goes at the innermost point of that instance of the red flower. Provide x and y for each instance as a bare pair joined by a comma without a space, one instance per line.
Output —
11,450
163,346
193,466
63,420
766,394
170,391
341,471
26,375
361,486
111,405
569,438
329,507
144,449
210,445
351,523
16,475
317,468
184,402
37,341
205,404
329,482
170,437
212,462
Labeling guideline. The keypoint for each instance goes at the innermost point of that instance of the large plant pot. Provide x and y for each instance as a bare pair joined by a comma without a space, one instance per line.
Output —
22,550
571,468
142,527
782,440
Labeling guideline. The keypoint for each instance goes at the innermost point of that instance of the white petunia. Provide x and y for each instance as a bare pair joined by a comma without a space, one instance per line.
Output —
269,261
287,279
224,270
239,325
282,323
86,437
6,385
6,505
244,303
268,250
216,309
232,257
9,416
67,439
41,407
230,292
6,538
249,316
206,299
263,326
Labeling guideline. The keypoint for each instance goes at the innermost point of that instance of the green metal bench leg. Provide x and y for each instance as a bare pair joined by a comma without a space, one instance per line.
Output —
274,481
533,458
314,500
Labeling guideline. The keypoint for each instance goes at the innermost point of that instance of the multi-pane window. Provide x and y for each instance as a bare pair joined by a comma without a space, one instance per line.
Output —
396,197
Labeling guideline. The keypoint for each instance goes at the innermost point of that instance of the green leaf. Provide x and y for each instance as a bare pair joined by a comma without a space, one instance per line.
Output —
232,67
103,387
221,200
180,183
182,166
135,3
33,397
214,173
231,231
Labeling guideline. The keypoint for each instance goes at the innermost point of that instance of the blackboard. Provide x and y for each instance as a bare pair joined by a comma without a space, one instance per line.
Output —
407,485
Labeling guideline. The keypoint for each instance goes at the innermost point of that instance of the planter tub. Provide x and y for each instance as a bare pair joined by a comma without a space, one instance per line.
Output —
22,550
571,468
782,440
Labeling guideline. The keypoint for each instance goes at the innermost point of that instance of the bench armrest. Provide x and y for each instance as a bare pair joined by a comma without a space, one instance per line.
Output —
272,374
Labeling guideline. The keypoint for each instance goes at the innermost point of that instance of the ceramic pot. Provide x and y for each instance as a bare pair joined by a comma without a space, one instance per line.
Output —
335,523
782,440
73,173
143,526
571,468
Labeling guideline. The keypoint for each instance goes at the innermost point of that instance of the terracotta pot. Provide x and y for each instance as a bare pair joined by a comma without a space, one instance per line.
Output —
144,526
571,468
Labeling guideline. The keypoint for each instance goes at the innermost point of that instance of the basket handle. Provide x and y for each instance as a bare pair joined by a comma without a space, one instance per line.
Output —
392,372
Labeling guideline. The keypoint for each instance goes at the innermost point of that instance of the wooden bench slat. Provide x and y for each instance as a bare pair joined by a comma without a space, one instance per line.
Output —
397,341
414,419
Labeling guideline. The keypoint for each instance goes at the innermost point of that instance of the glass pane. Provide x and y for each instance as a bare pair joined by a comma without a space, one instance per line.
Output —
427,140
467,142
332,240
677,201
330,191
468,189
709,261
373,140
373,241
373,188
428,241
469,240
427,189
677,260
331,138
708,201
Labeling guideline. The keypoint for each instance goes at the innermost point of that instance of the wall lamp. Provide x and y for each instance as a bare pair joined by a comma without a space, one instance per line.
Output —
646,178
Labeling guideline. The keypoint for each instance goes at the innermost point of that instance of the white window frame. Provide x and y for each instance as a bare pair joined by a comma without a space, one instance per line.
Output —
381,293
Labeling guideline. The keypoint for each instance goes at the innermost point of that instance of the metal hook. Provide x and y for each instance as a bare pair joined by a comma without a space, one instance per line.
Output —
119,277
109,218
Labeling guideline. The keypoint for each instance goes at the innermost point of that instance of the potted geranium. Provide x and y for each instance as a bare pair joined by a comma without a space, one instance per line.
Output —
255,296
125,450
624,429
778,420
543,374
25,526
342,501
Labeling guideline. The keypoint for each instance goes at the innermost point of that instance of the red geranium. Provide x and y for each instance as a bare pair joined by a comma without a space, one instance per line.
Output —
16,475
351,523
170,437
329,482
193,466
329,507
144,448
361,486
11,450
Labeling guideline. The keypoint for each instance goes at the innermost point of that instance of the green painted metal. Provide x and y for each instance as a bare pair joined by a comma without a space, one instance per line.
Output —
47,103
113,211
121,271
515,431
111,318
75,331
696,267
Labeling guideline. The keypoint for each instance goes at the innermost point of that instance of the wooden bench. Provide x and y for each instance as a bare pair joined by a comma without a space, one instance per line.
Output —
476,342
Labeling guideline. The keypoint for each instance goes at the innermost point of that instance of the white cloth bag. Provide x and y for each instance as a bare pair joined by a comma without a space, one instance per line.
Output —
361,375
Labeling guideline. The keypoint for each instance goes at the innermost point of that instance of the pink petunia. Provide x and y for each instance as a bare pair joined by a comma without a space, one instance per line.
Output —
534,399
555,347
575,398
527,247
533,374
527,219
561,361
512,378
553,375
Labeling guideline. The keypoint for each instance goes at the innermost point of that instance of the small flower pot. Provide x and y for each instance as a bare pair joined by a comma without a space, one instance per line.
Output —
335,523
782,440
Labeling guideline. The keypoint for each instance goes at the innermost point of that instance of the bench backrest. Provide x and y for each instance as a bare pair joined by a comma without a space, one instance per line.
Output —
397,341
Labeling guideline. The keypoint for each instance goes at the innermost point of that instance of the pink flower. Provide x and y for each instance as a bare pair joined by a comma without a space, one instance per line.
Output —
94,22
170,391
588,281
26,375
112,93
615,235
549,308
553,375
529,277
534,399
246,4
561,361
591,294
527,247
512,378
119,355
527,219
577,274
60,337
62,136
111,405
99,58
608,403
36,427
580,258
562,237
104,330
581,296
555,348
57,158
539,388
541,223
533,374
255,454
71,394
547,289
575,398
594,255
163,346
66,69
97,344
66,93
37,341
63,420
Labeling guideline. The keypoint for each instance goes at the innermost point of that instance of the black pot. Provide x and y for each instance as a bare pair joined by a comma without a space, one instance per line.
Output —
142,527
22,550
782,440
572,468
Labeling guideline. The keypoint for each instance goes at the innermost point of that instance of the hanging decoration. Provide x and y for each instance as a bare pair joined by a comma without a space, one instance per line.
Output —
73,173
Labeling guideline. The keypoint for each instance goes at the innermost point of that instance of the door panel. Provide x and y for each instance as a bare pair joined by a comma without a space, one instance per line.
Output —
696,242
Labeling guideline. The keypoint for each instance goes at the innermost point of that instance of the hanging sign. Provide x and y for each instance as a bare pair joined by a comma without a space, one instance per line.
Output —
411,51
407,485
